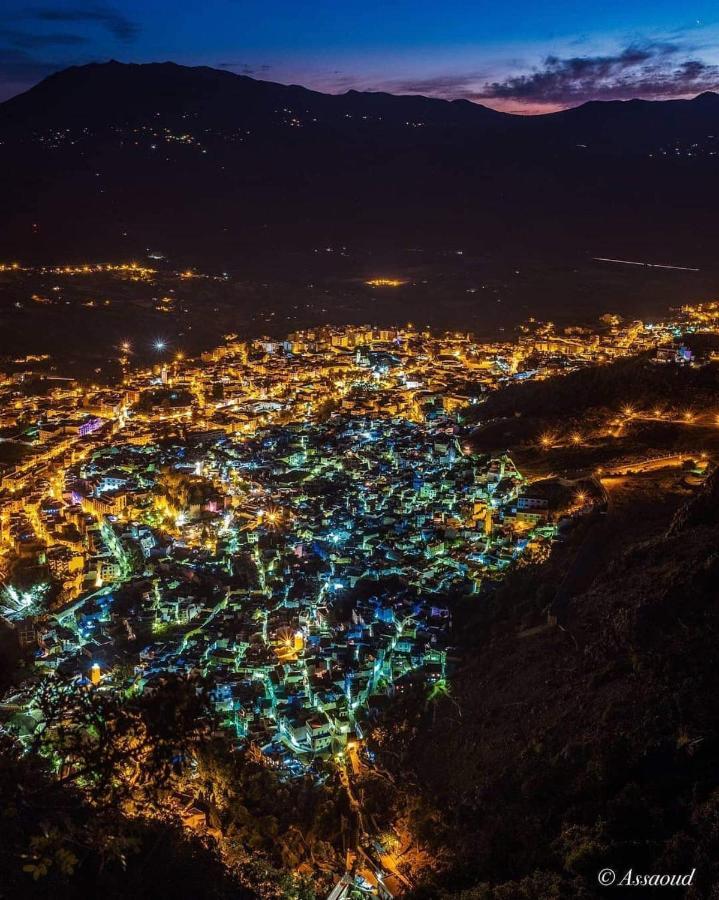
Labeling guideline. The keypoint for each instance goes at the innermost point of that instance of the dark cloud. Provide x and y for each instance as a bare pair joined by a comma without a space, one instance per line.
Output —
119,25
30,40
458,85
29,43
337,81
640,70
651,70
243,68
19,69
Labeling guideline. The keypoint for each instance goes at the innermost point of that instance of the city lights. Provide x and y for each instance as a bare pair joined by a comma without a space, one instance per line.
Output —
300,598
385,282
234,502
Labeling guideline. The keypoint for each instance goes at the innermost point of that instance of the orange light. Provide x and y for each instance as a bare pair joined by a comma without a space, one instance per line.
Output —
385,282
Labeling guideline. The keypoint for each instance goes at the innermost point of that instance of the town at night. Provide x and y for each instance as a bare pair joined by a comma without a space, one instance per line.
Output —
359,434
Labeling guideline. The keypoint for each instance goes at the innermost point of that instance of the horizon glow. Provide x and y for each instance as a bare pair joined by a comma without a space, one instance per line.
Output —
518,57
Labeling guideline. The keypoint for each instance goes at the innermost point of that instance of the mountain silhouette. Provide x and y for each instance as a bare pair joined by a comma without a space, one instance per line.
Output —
111,158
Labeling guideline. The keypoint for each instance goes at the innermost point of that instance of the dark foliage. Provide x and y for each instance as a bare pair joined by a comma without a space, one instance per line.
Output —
646,383
585,746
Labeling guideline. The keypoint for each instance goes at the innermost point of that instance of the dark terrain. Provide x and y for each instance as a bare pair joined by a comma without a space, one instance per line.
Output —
110,160
563,750
579,730
299,197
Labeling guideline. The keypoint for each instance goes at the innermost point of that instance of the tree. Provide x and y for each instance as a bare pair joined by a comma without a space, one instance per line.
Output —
118,749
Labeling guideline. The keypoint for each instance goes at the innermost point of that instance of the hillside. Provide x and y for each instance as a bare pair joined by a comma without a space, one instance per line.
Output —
112,159
635,380
109,94
105,94
563,751
600,415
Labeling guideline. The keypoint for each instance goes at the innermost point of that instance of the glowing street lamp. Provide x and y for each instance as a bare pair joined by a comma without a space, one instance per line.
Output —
160,345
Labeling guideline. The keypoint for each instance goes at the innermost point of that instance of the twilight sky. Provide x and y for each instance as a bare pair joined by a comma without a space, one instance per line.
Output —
517,55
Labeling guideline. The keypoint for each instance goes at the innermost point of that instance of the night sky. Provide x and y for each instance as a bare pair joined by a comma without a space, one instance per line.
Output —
521,55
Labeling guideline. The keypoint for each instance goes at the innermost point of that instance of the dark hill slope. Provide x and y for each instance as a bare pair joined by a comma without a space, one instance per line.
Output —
106,94
619,125
634,380
571,750
110,159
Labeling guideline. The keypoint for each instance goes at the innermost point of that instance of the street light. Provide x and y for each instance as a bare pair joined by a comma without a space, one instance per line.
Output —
160,345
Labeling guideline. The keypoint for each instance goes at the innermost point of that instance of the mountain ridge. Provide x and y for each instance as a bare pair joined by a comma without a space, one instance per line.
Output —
230,77
114,77
204,160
